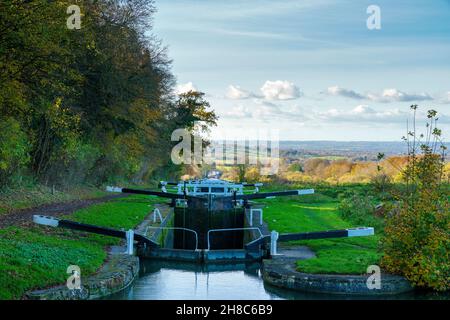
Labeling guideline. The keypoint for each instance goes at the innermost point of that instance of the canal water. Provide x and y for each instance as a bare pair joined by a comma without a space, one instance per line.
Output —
163,280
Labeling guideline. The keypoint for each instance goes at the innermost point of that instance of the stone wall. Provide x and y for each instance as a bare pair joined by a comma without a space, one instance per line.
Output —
282,273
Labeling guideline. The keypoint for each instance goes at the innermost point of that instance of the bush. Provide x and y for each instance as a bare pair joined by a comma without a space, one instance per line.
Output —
360,211
381,182
417,242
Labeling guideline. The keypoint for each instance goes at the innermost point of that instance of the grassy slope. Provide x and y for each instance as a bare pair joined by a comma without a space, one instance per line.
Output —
319,213
39,256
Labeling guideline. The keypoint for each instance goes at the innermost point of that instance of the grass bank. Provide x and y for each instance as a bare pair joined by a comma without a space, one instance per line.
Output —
319,213
38,257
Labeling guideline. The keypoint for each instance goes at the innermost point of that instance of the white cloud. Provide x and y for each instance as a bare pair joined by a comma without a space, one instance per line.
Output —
271,90
280,90
236,93
445,98
259,112
338,91
239,111
263,110
362,113
185,87
391,95
388,95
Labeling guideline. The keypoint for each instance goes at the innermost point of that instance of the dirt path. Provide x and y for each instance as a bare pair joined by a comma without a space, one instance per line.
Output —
24,217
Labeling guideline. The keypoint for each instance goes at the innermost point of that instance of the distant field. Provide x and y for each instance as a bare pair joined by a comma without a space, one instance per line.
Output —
367,150
332,158
387,147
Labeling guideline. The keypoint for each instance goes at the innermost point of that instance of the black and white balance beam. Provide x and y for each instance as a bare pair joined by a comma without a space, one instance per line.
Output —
344,233
54,222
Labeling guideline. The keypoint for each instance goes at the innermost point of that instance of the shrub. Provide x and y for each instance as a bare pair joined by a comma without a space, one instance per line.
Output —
417,242
381,182
360,210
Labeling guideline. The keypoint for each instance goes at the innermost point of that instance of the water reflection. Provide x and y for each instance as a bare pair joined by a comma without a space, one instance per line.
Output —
185,281
166,280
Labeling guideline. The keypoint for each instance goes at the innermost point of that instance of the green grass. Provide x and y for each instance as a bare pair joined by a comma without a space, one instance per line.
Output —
38,257
319,213
123,213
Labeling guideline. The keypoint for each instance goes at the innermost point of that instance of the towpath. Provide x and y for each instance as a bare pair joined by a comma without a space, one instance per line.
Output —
24,217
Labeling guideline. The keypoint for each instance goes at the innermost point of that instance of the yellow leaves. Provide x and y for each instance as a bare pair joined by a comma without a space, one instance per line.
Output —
57,104
62,120
394,169
3,165
296,176
417,241
345,171
447,171
252,174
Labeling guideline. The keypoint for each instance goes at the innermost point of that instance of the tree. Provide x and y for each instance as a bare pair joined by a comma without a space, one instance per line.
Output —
192,112
90,105
241,170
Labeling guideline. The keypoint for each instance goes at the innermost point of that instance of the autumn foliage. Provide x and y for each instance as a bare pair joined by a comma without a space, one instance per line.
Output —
346,171
417,241
87,106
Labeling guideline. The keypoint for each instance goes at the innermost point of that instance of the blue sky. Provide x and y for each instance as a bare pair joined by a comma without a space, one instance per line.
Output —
311,68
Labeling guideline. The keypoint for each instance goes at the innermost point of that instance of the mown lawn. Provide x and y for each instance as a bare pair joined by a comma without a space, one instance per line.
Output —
38,257
320,213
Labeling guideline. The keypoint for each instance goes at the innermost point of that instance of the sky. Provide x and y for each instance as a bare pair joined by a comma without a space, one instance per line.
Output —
311,69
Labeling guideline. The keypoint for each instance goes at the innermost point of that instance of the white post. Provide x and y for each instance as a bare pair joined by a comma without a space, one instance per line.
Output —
251,218
156,212
130,242
273,242
260,215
